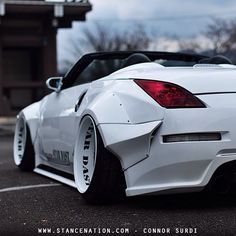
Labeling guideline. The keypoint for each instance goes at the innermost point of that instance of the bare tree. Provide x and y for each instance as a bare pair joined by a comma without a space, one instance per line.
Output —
190,45
220,36
101,38
219,33
230,43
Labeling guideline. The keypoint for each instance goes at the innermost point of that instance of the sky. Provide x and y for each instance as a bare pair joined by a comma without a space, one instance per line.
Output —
172,18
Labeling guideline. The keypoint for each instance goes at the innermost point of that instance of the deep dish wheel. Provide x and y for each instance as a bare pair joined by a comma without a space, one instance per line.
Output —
98,174
23,148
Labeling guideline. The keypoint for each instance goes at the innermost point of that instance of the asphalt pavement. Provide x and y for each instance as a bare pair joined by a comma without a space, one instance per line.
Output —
31,204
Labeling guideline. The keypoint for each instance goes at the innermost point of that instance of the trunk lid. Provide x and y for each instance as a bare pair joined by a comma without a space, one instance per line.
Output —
197,79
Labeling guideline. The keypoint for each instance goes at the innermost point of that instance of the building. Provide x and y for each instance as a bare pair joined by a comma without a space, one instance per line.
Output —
28,32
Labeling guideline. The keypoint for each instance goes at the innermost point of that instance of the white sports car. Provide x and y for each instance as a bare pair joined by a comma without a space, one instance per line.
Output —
134,123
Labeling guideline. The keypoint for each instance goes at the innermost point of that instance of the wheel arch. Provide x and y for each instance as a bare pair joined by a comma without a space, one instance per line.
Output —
126,118
95,119
31,116
120,134
83,141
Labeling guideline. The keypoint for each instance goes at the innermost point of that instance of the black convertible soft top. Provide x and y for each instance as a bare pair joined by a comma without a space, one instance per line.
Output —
85,60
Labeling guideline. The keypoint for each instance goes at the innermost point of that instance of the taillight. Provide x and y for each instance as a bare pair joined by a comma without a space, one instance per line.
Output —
169,95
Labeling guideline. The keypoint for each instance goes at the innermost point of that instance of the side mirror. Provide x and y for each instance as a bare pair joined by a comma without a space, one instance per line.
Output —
55,83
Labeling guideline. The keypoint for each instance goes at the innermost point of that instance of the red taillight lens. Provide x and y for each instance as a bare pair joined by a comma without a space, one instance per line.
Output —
169,95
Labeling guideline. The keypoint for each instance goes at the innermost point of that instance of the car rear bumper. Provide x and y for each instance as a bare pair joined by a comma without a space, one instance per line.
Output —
187,165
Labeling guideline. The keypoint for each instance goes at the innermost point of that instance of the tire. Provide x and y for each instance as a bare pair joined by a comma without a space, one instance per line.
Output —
24,155
98,173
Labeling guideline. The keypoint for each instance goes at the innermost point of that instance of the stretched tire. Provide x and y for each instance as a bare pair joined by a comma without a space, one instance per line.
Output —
98,173
24,155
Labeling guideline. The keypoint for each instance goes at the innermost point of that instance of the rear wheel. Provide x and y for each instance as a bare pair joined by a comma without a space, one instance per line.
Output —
23,148
98,174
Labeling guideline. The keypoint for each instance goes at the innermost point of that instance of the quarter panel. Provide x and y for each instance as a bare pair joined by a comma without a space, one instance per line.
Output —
120,102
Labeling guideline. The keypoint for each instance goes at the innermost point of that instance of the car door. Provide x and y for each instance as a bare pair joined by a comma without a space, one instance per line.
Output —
58,119
58,126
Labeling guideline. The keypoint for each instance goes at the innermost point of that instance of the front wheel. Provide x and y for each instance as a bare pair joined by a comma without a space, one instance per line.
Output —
98,174
23,148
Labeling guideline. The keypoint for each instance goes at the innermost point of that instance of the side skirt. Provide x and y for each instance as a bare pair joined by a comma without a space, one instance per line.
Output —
55,177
